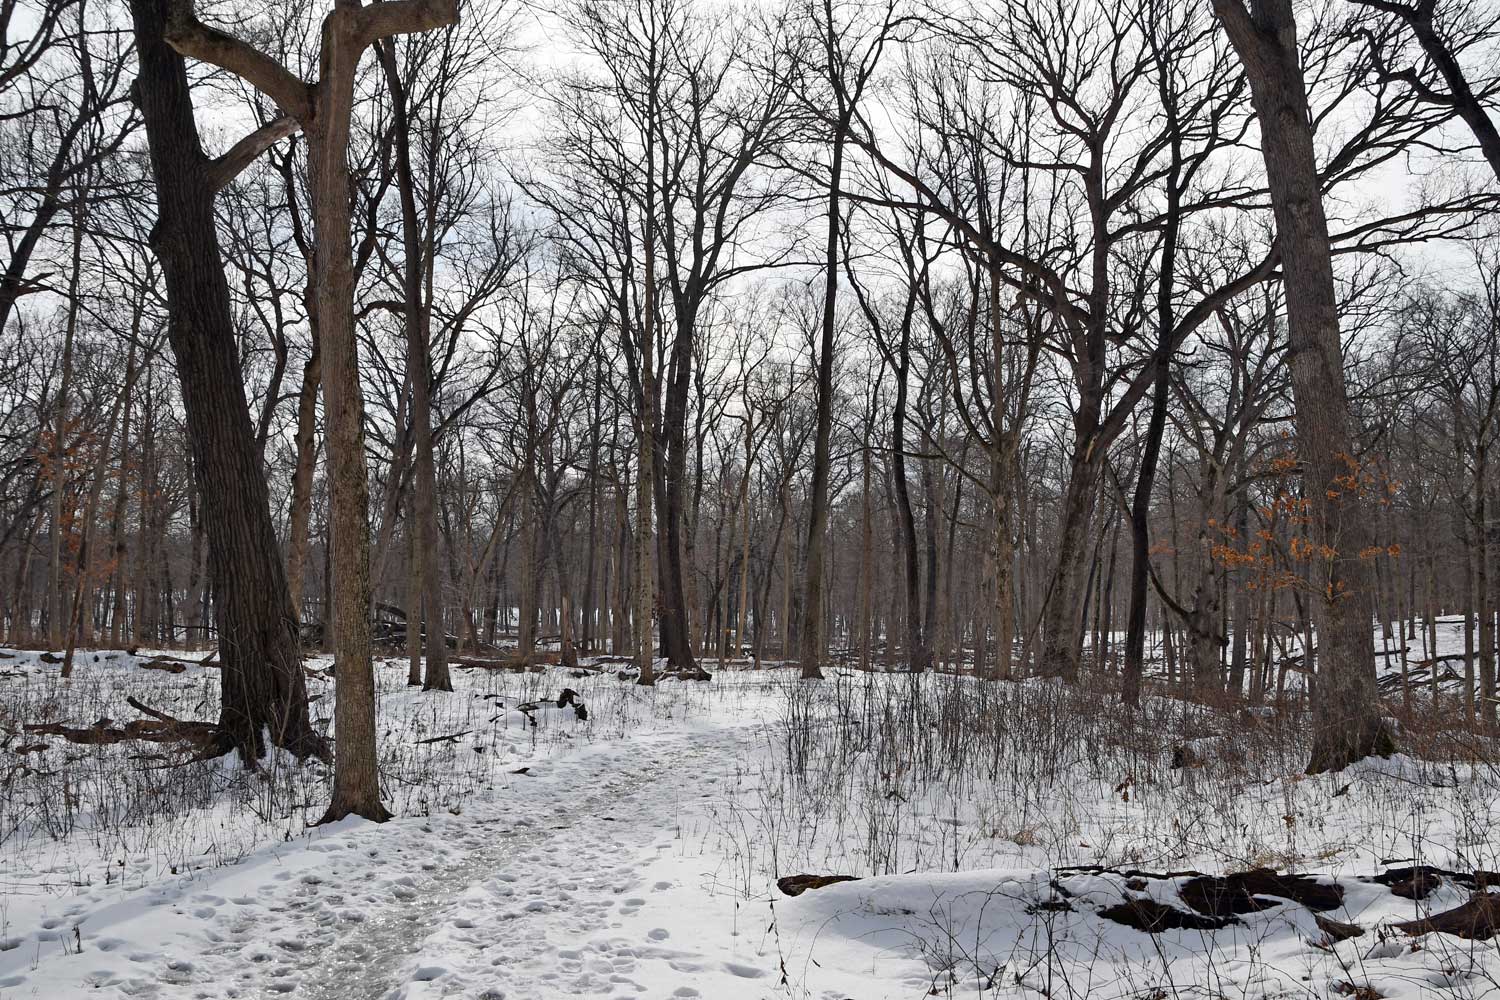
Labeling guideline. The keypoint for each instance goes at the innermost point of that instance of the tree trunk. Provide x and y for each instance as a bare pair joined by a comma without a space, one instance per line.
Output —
1347,714
262,685
1483,599
417,314
1062,626
60,433
866,558
299,518
813,646
356,783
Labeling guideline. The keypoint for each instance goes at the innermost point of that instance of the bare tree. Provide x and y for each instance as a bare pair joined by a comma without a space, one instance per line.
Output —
263,688
323,110
1444,34
1349,726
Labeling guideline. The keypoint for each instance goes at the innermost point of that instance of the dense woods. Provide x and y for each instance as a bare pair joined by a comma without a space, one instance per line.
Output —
1146,345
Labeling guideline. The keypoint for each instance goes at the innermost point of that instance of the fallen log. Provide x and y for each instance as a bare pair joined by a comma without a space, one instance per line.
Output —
1475,920
163,661
160,728
796,885
1152,917
1337,930
695,673
164,664
1248,892
1416,881
515,666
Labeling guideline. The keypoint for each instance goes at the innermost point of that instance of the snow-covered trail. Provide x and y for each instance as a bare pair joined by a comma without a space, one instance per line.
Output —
559,901
581,877
603,896
514,864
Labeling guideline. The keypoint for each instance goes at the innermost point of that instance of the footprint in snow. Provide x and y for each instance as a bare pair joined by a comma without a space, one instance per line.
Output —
743,971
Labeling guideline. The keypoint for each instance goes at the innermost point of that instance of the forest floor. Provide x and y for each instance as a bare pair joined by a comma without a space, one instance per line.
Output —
1009,840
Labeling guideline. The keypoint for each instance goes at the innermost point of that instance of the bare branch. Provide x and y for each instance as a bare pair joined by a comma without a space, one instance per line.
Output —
402,17
193,38
227,167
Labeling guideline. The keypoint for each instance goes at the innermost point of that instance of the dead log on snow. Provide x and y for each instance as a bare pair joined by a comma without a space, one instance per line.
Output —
1475,920
1152,917
518,665
160,728
796,885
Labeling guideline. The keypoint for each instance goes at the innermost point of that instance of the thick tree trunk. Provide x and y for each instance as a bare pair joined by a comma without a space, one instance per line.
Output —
672,606
262,684
1062,625
1347,714
356,785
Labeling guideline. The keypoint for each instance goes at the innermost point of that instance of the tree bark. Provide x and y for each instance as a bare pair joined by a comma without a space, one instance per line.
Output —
263,690
1346,711
325,111
417,314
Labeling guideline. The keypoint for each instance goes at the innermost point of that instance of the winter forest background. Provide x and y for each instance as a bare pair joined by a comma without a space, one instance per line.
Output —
1032,459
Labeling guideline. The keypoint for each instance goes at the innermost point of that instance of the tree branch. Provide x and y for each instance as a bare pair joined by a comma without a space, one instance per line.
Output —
227,167
402,17
191,37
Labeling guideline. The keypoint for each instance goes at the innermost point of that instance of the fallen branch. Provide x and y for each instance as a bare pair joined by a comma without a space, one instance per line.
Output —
451,737
1473,921
796,885
159,728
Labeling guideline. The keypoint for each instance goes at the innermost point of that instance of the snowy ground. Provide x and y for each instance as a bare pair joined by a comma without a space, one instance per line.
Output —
635,854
